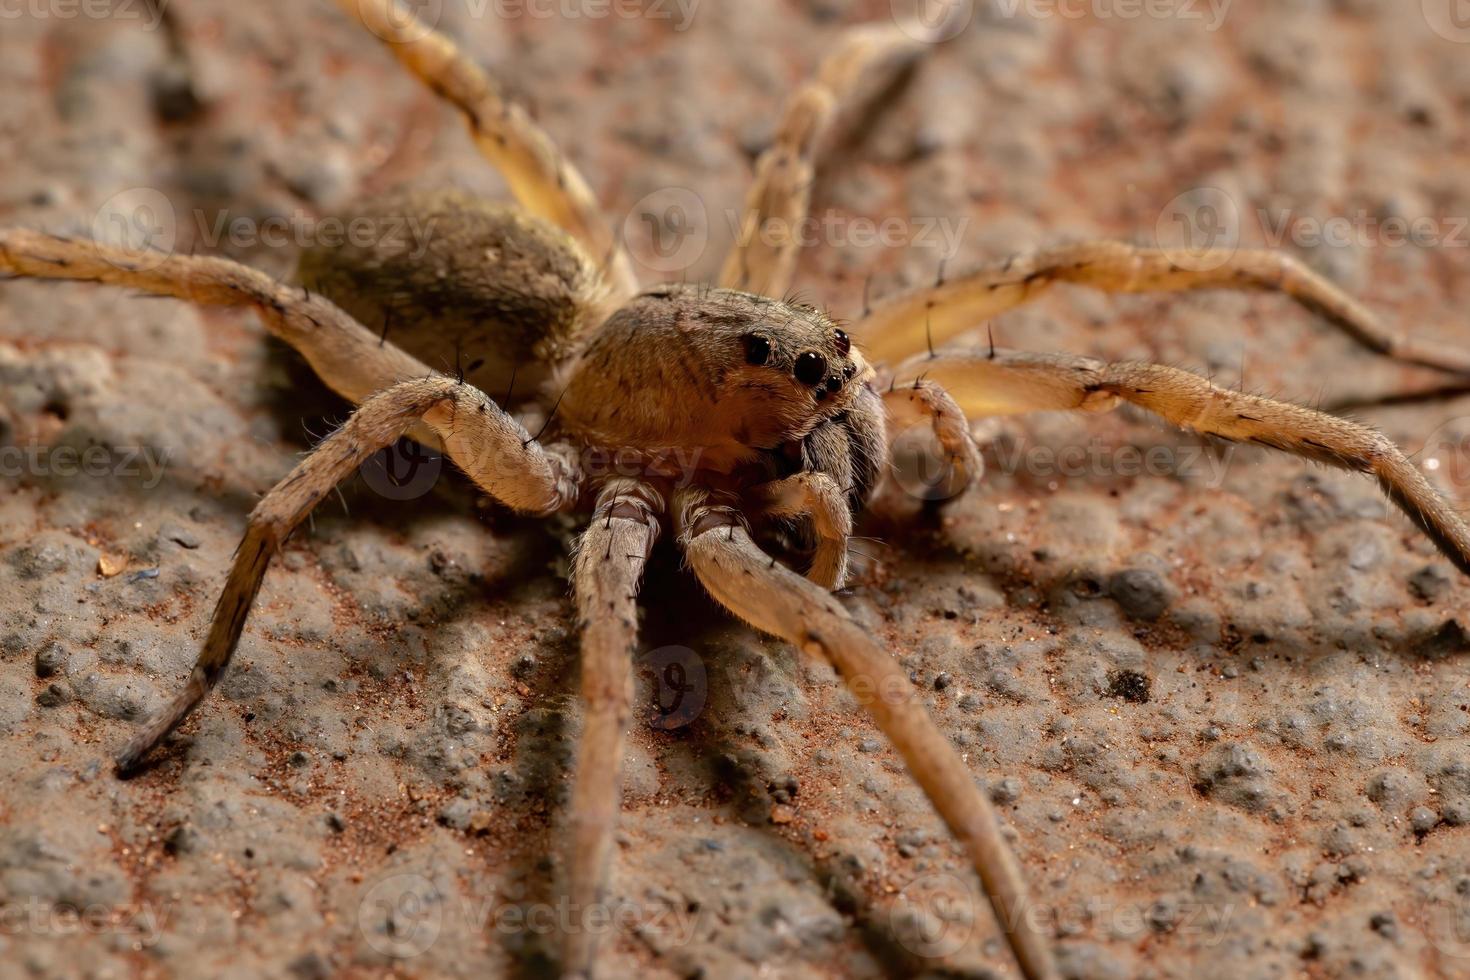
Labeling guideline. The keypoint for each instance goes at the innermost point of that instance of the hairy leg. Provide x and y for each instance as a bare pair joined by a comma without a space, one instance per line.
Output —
608,570
489,445
903,325
1009,383
818,497
540,176
764,257
352,361
772,598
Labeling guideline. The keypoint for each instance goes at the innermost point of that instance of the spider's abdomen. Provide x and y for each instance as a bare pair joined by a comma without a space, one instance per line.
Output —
458,280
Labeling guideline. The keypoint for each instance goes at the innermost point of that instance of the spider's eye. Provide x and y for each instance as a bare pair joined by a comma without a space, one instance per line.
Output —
811,368
844,342
757,349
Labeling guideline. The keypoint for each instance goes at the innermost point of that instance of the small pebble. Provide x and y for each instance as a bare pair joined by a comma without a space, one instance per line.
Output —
1140,593
1423,819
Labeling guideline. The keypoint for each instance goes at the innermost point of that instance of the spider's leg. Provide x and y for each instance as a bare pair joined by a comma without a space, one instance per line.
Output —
176,96
609,568
542,179
1010,383
352,360
904,324
489,445
817,496
746,581
763,259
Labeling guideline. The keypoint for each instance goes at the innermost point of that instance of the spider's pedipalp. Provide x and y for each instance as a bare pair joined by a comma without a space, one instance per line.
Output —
606,575
490,446
763,258
1011,383
818,497
903,325
745,580
924,402
542,179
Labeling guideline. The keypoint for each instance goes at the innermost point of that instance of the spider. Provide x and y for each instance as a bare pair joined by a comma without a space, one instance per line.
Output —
752,420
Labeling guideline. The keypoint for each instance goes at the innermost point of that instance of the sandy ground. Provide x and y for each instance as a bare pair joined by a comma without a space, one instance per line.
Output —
1219,695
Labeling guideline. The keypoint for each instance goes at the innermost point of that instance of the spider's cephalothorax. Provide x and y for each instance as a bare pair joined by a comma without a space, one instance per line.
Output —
732,374
734,409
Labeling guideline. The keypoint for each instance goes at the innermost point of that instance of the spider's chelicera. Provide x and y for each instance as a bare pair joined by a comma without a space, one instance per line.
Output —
741,412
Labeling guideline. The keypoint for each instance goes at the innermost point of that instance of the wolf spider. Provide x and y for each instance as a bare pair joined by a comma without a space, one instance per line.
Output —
790,416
